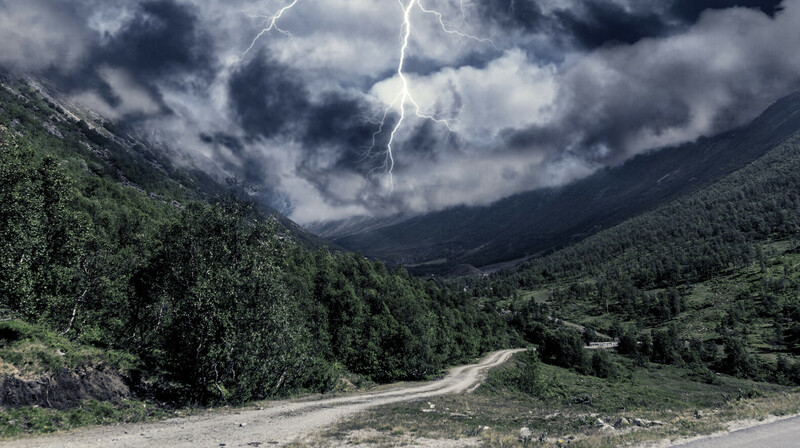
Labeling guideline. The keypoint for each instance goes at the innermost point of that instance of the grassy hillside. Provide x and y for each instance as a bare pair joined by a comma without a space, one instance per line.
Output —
710,280
642,404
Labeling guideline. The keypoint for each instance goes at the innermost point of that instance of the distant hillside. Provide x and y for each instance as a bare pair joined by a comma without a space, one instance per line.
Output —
540,221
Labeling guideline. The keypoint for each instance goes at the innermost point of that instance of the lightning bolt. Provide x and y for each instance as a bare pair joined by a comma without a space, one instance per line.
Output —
404,96
448,30
272,24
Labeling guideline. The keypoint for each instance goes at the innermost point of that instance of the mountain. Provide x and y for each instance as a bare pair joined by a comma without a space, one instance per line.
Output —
118,152
540,221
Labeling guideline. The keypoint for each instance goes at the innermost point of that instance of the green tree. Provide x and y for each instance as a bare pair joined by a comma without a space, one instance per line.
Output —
219,311
737,360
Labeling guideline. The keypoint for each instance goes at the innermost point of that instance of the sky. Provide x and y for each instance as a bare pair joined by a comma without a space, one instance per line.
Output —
333,109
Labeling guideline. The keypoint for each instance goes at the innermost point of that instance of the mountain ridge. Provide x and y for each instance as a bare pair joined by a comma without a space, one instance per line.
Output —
540,221
134,160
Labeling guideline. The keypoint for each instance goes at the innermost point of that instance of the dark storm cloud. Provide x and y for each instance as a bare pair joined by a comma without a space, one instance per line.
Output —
222,139
162,40
589,25
599,124
622,99
565,87
248,165
600,133
525,14
690,10
600,23
593,23
157,46
428,141
341,120
267,97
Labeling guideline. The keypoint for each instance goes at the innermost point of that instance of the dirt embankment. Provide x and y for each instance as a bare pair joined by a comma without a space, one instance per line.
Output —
63,390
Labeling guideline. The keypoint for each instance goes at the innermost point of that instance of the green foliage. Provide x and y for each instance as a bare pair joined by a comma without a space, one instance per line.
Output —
30,349
22,230
224,321
602,366
788,372
563,348
523,375
738,361
16,422
627,344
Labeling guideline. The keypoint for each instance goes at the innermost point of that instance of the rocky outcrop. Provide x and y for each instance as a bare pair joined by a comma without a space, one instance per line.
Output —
63,390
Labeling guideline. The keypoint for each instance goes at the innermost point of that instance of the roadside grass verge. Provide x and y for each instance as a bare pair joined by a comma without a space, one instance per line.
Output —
25,421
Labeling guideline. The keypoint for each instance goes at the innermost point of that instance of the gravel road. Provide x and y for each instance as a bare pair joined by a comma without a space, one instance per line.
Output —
778,434
275,425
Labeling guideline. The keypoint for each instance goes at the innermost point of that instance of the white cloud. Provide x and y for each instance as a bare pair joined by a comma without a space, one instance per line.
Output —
133,98
34,35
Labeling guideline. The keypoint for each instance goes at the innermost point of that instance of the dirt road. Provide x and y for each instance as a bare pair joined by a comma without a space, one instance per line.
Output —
273,426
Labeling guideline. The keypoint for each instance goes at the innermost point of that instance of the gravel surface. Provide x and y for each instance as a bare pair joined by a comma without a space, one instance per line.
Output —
275,425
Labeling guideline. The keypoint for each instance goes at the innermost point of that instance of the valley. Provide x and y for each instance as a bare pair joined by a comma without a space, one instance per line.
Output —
540,222
681,265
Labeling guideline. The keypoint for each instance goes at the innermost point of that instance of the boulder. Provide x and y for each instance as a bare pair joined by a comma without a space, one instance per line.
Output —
621,423
599,422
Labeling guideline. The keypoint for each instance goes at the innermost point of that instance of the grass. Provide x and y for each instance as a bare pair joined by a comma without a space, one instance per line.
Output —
32,420
686,403
538,296
28,350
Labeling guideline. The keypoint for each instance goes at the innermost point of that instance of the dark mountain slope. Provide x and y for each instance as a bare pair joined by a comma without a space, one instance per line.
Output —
534,222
